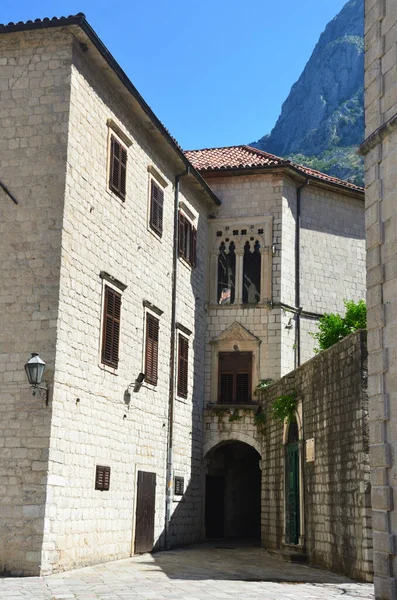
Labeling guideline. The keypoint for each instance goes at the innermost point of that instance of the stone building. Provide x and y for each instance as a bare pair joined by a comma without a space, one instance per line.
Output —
304,486
152,283
380,149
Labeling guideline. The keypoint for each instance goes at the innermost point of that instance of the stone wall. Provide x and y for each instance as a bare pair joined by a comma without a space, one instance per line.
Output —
335,488
58,106
380,149
34,113
102,233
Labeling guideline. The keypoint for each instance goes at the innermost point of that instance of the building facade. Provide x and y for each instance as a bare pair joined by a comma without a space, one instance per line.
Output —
380,149
139,289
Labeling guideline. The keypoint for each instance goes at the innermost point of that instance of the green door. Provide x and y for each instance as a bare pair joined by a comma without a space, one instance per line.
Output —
293,508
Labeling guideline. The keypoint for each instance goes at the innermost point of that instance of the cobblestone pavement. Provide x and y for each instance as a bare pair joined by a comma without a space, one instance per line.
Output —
203,572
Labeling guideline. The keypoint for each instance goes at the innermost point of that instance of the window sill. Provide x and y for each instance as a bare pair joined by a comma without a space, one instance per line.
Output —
154,233
261,304
117,198
186,263
249,406
108,369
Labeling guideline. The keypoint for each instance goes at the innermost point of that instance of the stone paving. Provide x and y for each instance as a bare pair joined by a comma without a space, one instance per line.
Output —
203,572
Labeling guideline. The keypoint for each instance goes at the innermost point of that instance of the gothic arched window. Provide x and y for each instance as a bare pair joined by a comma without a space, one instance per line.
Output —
251,274
226,273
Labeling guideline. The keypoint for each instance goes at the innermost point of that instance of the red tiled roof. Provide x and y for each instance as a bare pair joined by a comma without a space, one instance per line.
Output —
247,157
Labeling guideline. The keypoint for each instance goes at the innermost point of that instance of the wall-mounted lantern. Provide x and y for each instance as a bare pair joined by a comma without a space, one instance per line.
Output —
35,370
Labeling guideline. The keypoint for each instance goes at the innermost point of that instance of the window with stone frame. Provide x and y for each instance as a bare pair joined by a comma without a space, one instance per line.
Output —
156,207
183,362
111,327
117,167
151,349
251,272
226,273
187,240
235,377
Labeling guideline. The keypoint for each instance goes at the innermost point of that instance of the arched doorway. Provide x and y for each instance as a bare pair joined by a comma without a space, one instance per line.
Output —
292,484
233,492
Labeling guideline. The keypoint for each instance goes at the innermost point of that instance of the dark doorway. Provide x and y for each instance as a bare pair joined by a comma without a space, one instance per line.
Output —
233,492
145,511
214,506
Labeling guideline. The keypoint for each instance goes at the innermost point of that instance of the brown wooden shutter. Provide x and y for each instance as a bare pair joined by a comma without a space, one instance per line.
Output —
118,167
156,208
193,246
183,361
182,236
151,352
111,327
235,377
102,478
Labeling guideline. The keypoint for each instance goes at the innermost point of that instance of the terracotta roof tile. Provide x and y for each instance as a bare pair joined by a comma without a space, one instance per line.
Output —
247,157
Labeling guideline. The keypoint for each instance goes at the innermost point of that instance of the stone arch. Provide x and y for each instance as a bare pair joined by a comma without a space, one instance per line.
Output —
224,437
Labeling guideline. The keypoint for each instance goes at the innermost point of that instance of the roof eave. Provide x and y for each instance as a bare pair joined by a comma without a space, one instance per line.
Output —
284,167
82,22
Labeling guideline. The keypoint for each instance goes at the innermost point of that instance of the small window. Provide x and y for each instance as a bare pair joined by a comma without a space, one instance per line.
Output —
111,327
179,486
235,377
183,358
187,240
156,207
118,167
102,478
151,349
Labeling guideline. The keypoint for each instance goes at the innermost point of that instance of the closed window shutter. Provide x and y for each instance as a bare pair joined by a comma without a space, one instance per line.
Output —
156,208
183,361
111,327
193,247
123,172
118,167
181,236
235,377
152,348
102,478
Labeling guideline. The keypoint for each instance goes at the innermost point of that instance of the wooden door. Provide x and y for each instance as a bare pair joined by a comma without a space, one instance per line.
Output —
145,511
293,508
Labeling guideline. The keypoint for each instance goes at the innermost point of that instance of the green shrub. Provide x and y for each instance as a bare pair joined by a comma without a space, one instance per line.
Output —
284,407
333,327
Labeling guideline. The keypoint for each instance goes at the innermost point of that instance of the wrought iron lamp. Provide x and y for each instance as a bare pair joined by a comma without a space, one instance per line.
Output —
34,371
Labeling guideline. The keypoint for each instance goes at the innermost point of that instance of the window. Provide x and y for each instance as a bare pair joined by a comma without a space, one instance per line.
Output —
183,357
251,274
111,327
226,273
187,240
179,486
156,207
102,478
151,349
118,167
235,377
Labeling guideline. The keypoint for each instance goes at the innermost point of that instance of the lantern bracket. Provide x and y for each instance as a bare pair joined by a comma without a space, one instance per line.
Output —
42,391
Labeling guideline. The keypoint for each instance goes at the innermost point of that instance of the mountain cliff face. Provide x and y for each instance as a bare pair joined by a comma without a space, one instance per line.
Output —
322,120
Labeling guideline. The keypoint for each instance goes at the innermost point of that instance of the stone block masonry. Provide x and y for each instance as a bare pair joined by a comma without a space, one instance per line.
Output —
380,150
68,237
332,416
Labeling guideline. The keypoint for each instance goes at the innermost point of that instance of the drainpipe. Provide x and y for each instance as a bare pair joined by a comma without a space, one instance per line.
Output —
168,491
297,274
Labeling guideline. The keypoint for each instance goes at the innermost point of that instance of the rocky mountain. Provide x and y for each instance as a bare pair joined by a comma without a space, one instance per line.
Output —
322,120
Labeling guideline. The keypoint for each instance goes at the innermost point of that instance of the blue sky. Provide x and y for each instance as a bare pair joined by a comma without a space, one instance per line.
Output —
214,71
